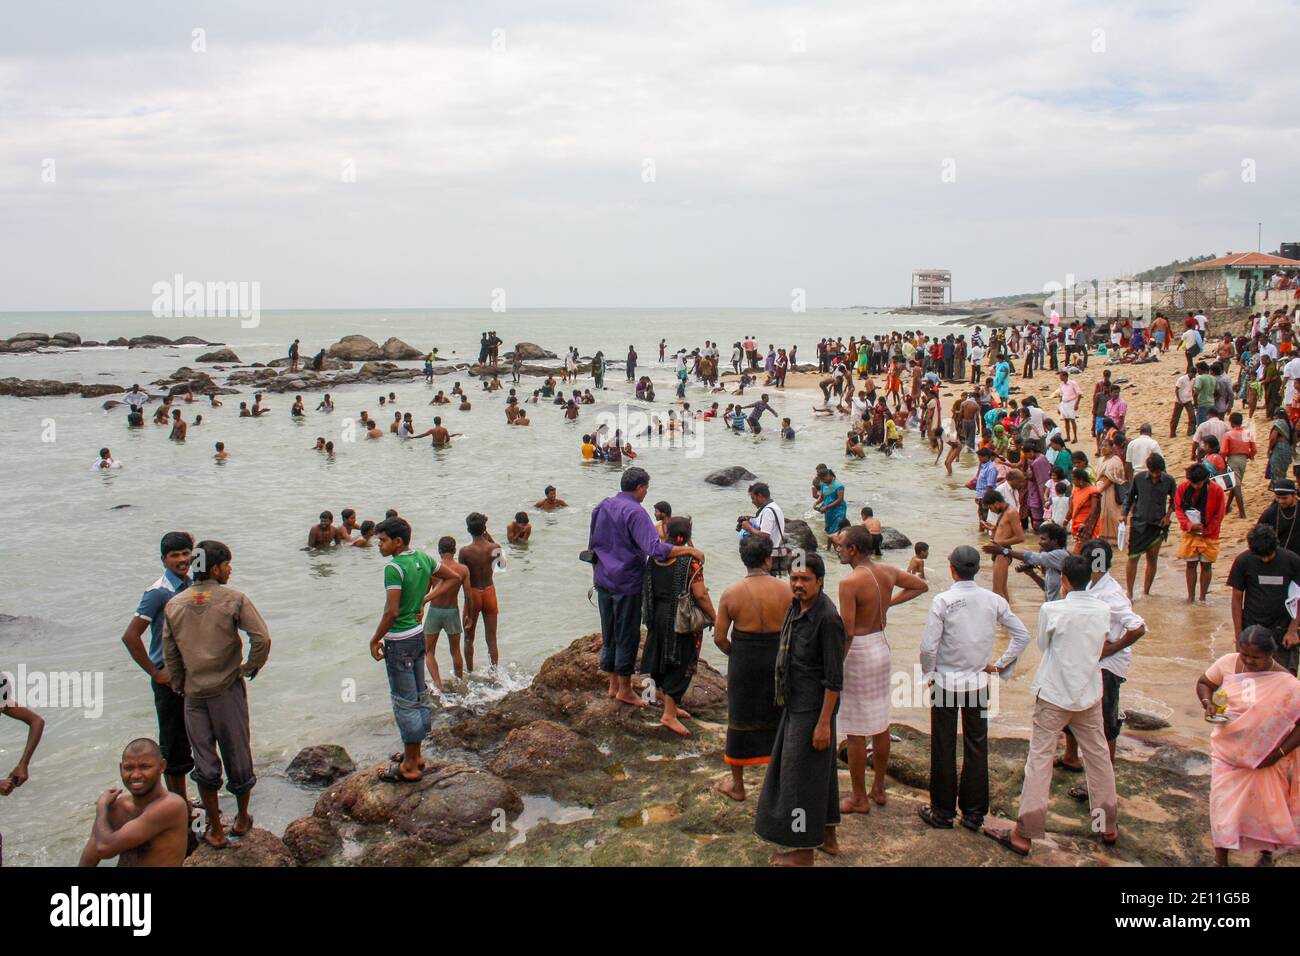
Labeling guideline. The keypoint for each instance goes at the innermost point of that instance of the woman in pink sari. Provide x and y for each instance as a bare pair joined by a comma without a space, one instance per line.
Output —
1255,775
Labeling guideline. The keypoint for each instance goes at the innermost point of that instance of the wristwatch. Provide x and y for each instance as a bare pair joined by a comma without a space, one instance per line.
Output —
1006,552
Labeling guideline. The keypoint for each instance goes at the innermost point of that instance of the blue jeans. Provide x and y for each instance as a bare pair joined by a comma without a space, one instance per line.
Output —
1203,413
620,631
404,661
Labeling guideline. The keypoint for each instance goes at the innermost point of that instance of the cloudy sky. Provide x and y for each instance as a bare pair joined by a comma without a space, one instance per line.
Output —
589,153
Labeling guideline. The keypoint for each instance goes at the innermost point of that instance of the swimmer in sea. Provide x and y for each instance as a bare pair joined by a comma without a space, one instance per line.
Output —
221,454
521,418
144,824
787,430
258,410
549,502
214,401
329,449
440,399
464,403
853,446
298,410
198,420
480,557
373,431
178,427
367,534
396,424
106,460
520,529
439,435
320,444
348,526
326,404
322,534
243,410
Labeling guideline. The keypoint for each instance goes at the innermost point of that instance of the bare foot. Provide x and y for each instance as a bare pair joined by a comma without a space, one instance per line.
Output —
675,725
878,795
791,858
242,825
217,843
729,788
682,712
831,845
629,698
855,805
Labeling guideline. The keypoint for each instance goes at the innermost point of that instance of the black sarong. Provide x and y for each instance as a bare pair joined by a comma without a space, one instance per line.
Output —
801,792
752,714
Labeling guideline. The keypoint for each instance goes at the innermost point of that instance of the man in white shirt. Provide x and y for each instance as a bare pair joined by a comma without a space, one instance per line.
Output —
1139,450
955,650
1184,401
136,398
976,358
1067,693
768,522
1117,656
1291,372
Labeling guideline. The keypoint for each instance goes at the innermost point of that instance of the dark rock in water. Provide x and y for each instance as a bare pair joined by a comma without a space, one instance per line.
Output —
118,507
193,340
327,364
892,539
149,341
397,350
800,533
531,352
377,369
111,404
451,802
219,355
29,337
538,750
320,765
66,338
118,342
1140,720
1191,763
91,343
257,847
357,348
100,390
22,345
37,388
727,477
312,838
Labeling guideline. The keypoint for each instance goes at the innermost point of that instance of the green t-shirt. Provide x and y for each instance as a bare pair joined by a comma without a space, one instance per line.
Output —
1204,385
408,572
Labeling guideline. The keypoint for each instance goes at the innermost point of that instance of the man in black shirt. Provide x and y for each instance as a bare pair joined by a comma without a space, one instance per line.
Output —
1283,514
1147,511
1261,578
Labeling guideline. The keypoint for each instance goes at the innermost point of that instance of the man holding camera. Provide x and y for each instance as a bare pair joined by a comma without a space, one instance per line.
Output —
768,522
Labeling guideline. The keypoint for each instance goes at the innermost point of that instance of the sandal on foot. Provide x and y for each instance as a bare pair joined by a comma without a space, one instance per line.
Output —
1004,837
972,824
927,814
1060,762
394,775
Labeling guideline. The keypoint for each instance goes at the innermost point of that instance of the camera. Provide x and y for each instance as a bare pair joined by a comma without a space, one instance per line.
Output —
740,522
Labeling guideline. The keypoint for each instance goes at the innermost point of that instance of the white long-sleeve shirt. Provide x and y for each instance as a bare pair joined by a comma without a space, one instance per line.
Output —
1071,632
1122,620
958,638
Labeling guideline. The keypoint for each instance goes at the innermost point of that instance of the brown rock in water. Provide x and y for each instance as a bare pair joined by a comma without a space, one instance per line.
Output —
37,387
542,748
320,765
726,477
530,352
452,801
66,338
356,348
23,345
397,350
29,337
400,851
99,391
149,341
310,839
257,847
225,356
801,534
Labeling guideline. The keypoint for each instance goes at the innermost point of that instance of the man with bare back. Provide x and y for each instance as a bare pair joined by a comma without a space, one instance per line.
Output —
147,825
443,612
751,614
1004,522
866,595
480,557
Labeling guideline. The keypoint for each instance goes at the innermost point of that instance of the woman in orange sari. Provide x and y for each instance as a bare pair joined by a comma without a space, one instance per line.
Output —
1255,774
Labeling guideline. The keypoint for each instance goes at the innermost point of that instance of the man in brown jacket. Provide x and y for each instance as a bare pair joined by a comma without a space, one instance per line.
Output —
204,656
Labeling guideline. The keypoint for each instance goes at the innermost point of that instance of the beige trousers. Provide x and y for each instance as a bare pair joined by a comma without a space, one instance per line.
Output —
1086,725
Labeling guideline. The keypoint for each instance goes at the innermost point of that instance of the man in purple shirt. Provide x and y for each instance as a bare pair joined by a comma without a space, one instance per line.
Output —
1038,471
623,536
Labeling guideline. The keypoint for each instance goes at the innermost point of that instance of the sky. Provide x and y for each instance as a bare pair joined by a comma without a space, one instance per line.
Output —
604,154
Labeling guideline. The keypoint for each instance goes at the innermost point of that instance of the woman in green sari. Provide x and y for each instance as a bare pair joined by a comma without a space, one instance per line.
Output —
1281,446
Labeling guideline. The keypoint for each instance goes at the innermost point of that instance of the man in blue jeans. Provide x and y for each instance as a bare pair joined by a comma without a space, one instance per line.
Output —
622,537
399,642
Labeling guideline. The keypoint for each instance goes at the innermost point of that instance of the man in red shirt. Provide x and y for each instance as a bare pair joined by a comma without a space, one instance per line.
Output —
1238,448
1200,505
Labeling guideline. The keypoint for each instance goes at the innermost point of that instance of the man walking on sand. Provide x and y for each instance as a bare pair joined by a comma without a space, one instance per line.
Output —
866,594
622,536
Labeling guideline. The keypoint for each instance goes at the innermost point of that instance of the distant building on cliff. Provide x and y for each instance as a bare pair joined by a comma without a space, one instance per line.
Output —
931,287
1237,280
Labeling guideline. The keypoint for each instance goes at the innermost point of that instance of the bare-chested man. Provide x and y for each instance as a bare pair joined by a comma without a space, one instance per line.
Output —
323,534
443,611
866,595
438,434
145,825
480,557
1004,522
969,421
751,614
519,530
550,502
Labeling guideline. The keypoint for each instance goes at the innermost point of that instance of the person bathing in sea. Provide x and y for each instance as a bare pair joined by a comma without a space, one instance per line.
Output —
142,823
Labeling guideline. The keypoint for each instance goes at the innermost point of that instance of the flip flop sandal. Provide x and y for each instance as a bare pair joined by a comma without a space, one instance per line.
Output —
1060,762
970,823
1078,793
927,814
394,775
1004,838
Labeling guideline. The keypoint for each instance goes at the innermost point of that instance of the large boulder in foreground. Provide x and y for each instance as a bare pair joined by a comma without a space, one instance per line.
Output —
320,765
451,802
543,749
396,350
224,356
255,848
312,838
357,348
726,477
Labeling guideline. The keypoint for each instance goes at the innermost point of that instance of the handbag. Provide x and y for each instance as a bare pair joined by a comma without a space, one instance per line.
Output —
690,616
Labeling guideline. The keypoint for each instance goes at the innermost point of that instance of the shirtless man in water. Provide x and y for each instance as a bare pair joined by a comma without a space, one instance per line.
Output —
443,612
521,529
866,595
756,604
438,434
480,557
324,534
145,825
1007,531
550,502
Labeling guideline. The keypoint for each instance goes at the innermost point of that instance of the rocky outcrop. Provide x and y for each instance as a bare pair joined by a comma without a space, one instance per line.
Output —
39,388
256,848
67,339
320,765
800,533
535,751
396,350
311,839
530,352
356,348
21,345
224,356
40,337
726,477
149,341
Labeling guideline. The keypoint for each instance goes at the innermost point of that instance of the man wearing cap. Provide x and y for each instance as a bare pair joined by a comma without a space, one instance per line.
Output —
955,649
1281,515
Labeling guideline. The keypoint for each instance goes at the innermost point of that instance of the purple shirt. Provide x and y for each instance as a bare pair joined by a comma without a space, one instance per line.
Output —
623,535
1039,473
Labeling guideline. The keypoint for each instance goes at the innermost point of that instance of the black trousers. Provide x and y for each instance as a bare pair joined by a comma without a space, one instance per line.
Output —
946,794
